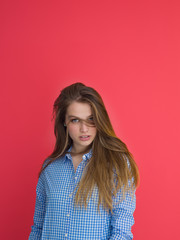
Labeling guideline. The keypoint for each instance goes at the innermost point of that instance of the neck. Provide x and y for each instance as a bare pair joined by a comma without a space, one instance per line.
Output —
80,150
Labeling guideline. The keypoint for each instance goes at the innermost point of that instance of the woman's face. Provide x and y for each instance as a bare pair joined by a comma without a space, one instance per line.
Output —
81,134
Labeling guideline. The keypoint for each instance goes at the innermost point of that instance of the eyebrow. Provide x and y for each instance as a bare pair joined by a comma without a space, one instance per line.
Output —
70,116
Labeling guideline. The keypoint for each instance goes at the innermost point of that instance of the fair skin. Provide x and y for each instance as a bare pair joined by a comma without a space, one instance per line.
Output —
81,134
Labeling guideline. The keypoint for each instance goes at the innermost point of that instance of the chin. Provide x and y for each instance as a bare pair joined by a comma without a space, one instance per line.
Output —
86,143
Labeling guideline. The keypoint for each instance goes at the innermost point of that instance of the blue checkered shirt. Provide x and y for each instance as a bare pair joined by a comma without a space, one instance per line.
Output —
56,216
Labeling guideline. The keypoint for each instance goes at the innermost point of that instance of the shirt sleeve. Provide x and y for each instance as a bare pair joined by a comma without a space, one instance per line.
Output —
122,218
40,208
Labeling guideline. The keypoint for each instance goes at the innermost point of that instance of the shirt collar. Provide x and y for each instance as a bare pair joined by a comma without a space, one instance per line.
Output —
84,157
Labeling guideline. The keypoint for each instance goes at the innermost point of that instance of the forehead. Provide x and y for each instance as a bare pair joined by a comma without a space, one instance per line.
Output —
78,109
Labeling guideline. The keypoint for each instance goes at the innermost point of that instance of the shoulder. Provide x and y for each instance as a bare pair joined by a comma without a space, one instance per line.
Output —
49,164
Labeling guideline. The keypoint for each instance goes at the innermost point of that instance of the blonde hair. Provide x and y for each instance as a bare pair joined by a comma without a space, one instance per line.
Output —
111,167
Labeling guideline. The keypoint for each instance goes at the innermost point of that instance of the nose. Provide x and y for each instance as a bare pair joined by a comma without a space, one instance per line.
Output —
83,127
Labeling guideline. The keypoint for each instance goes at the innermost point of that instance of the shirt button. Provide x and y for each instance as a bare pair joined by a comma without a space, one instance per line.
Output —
66,235
70,195
75,178
84,157
68,215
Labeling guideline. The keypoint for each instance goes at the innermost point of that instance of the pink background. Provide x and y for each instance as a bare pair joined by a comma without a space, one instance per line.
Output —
129,51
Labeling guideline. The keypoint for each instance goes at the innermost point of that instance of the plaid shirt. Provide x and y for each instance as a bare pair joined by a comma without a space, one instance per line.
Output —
56,216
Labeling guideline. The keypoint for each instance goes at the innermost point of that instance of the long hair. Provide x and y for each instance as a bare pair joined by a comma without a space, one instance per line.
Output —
111,167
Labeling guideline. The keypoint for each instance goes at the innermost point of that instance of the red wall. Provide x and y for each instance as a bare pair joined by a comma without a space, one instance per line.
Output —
130,52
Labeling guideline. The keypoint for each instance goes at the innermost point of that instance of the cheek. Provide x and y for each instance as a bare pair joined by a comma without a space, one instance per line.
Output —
94,131
72,129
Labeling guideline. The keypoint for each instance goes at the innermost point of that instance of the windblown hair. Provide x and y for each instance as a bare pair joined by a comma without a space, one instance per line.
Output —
111,167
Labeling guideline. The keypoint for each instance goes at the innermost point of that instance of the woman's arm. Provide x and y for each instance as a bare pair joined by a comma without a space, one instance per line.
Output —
40,208
122,218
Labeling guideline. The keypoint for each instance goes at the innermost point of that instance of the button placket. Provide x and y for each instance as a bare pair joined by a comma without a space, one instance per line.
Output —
75,177
70,203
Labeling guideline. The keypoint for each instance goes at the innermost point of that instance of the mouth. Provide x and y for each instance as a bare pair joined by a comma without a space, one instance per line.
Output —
84,137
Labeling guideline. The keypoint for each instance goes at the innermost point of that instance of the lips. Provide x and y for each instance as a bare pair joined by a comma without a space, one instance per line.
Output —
84,137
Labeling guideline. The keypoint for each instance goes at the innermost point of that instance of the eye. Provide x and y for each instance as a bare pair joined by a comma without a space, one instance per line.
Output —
91,121
74,120
91,118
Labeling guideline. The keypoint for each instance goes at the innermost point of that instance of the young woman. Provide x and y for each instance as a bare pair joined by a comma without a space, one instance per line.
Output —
86,187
